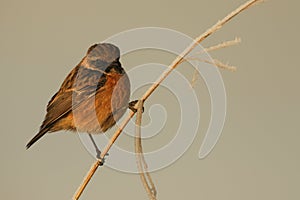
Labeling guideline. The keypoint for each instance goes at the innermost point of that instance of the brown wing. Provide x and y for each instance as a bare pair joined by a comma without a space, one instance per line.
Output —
72,94
61,103
64,101
66,85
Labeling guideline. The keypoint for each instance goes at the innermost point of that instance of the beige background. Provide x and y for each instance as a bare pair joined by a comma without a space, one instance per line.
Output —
257,156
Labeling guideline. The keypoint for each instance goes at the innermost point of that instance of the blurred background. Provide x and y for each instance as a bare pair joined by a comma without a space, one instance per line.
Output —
257,156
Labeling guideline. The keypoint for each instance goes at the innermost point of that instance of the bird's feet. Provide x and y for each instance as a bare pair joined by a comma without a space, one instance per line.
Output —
131,106
102,160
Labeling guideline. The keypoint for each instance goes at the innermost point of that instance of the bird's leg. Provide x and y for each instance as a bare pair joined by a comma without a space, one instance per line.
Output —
98,152
131,106
98,155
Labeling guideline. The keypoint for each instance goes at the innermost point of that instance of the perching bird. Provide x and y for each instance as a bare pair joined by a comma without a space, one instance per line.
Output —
92,97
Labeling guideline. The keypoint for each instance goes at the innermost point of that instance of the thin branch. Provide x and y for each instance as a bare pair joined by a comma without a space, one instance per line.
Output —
212,48
174,64
141,162
222,45
194,78
198,40
221,65
215,62
87,179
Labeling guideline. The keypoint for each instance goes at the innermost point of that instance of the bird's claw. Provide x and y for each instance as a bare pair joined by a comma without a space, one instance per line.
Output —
132,106
102,160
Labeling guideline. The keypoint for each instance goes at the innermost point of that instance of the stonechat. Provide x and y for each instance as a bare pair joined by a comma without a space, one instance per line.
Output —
93,96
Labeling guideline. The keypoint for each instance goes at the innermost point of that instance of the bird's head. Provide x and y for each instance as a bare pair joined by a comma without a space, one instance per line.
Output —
105,57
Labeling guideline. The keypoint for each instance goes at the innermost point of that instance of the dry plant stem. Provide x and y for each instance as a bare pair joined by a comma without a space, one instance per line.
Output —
221,65
174,64
87,179
216,63
194,78
140,159
223,45
198,40
213,48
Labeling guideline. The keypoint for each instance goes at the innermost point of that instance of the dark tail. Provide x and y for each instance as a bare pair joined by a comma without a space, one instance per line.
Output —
40,134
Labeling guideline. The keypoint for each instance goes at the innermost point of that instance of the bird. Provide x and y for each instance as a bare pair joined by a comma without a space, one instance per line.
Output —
93,96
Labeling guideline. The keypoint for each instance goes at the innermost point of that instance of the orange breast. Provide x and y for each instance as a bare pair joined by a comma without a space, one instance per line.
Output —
101,112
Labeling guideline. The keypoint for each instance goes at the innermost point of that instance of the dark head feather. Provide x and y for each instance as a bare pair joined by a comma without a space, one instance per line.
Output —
105,52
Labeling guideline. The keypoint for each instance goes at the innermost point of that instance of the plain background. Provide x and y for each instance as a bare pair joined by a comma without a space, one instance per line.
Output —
257,156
